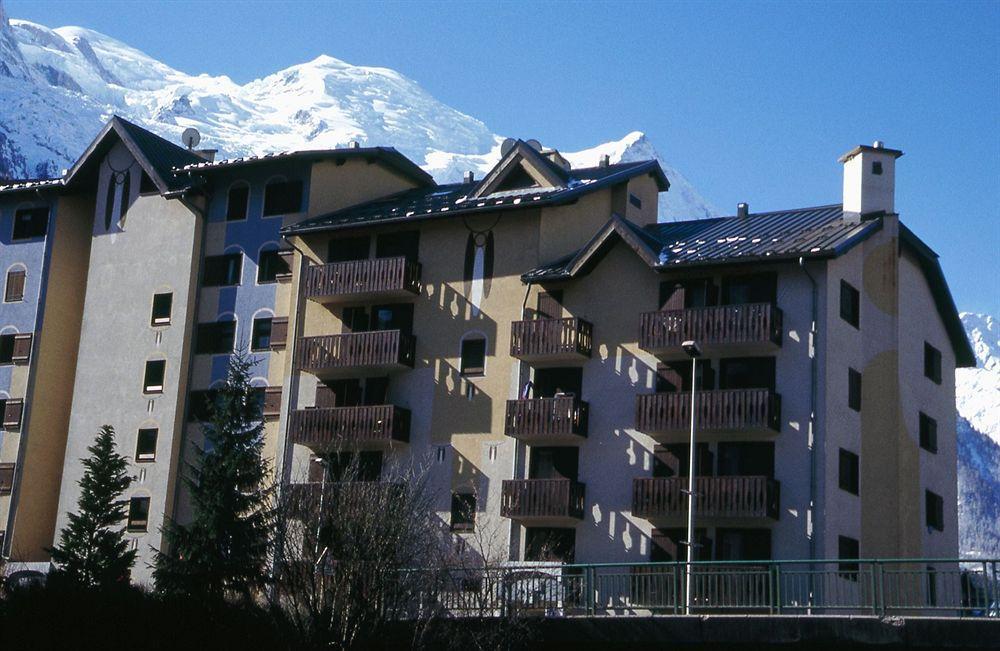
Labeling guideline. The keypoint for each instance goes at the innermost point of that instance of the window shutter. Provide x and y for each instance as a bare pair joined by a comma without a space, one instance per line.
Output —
272,402
279,333
12,410
15,286
6,478
22,348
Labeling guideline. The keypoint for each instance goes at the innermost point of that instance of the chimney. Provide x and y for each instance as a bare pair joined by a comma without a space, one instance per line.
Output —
354,144
469,177
742,210
870,178
605,161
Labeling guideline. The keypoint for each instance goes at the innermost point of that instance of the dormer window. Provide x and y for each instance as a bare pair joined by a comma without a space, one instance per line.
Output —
517,179
877,167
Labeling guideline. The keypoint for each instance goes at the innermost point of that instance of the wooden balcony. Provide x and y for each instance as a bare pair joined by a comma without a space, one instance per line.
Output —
362,280
548,500
732,410
720,329
350,427
551,340
747,497
379,351
547,420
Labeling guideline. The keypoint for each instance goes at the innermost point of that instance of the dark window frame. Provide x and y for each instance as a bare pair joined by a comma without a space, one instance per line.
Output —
136,506
271,265
849,472
463,512
275,207
848,549
215,275
152,387
215,338
254,335
140,455
471,369
31,230
928,433
238,185
854,384
850,304
933,510
157,318
10,296
932,363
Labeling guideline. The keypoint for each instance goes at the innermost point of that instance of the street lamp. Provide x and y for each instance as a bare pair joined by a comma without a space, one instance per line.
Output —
693,351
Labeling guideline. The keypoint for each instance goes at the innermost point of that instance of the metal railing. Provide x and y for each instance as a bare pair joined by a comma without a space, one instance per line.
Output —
874,587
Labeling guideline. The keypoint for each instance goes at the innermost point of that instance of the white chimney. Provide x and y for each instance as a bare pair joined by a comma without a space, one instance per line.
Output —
870,178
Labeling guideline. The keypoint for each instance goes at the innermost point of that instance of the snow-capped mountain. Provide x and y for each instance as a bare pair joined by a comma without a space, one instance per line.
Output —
58,87
978,400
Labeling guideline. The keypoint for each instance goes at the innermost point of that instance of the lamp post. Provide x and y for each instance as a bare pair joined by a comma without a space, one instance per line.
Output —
693,351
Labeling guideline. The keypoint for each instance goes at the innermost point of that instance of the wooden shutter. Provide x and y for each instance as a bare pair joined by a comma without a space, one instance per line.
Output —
550,305
15,286
272,402
279,333
22,348
12,410
6,478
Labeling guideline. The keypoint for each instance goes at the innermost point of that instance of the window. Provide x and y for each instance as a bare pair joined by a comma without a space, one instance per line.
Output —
928,433
854,389
877,167
6,478
634,200
153,379
162,303
282,197
850,303
15,286
238,202
270,265
932,363
260,337
848,548
138,514
12,411
223,270
30,223
215,338
6,349
463,512
934,508
473,356
848,471
145,445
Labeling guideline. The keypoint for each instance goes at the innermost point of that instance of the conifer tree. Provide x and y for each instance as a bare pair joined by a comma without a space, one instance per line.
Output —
93,551
223,552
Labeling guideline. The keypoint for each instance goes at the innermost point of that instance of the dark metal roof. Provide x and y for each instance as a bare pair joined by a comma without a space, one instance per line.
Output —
446,200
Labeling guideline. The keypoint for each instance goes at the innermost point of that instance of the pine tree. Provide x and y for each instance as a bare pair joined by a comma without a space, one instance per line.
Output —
93,551
223,552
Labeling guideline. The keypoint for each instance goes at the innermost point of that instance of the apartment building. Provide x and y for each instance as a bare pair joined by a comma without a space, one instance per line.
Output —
518,337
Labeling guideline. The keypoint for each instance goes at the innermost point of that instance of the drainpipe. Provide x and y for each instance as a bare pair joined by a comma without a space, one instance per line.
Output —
813,389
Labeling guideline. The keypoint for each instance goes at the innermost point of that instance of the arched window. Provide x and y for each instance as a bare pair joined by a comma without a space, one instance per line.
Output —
238,201
14,291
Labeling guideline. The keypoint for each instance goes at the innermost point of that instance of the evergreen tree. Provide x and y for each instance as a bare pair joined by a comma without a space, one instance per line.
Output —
93,551
223,552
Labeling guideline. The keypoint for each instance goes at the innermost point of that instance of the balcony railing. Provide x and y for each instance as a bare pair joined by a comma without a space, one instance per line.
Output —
746,324
551,338
377,349
717,497
330,427
349,280
728,410
542,498
542,419
304,500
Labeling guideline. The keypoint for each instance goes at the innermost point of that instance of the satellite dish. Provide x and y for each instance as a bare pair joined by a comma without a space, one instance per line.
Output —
507,145
190,137
534,144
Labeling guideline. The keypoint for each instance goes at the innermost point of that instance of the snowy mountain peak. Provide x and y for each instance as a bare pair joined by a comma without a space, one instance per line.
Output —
978,389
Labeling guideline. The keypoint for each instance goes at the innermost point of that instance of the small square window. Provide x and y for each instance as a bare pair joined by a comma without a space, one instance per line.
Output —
473,356
238,202
934,510
848,548
932,363
145,446
138,514
30,223
270,265
463,512
282,198
877,167
928,433
223,270
849,471
260,338
153,378
162,304
217,338
854,389
850,303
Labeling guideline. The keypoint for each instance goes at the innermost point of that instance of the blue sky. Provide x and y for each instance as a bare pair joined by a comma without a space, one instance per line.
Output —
751,101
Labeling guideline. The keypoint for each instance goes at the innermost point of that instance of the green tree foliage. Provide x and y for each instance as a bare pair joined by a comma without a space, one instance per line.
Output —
93,551
223,552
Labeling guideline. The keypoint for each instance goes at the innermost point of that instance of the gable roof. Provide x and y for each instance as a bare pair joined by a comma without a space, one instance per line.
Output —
438,201
522,156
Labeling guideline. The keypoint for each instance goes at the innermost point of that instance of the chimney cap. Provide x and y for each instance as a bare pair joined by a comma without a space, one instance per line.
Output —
469,176
878,147
605,161
742,209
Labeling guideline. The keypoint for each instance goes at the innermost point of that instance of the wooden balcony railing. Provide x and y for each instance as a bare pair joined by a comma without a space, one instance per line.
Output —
551,338
542,498
363,497
749,323
716,411
358,349
374,276
716,497
546,418
325,428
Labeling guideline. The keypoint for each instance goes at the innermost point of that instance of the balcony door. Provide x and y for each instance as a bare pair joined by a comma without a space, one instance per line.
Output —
549,382
397,316
684,294
348,249
404,244
746,373
676,376
749,288
549,305
554,463
746,458
672,460
743,544
352,392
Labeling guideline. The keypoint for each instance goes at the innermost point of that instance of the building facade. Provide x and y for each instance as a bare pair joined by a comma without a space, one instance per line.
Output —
517,338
